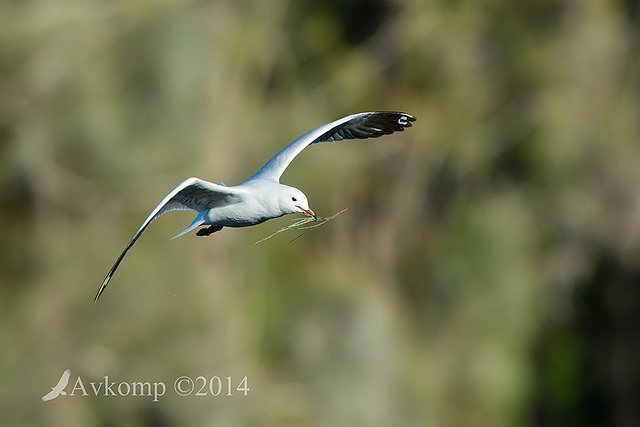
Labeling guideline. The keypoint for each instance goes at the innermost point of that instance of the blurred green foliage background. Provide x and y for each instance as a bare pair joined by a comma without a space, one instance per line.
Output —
486,272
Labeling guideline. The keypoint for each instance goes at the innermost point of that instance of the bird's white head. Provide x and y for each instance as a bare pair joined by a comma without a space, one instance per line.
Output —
292,200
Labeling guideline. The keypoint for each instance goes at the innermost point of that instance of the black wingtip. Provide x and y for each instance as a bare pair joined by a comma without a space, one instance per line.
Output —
385,123
102,288
107,279
406,119
392,121
369,125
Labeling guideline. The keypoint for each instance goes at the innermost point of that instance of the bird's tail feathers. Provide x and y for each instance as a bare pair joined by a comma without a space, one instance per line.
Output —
196,223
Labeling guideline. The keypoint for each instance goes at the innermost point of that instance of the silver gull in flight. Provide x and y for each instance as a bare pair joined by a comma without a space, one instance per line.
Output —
261,197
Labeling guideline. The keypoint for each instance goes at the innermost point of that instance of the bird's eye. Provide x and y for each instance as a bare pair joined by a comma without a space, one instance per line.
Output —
293,199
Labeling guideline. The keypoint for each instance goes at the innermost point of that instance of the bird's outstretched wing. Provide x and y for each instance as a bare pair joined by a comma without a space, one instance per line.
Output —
355,126
192,194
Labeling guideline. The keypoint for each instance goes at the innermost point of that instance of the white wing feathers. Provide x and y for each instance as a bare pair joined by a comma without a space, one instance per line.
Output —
355,126
191,194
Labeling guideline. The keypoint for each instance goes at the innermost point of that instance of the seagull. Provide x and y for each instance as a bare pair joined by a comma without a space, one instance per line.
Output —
261,197
59,388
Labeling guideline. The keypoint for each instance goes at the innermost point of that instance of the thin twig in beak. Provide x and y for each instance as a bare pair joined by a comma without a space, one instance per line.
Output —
308,212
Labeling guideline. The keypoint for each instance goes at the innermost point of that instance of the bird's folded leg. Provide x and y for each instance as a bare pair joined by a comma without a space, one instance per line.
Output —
209,230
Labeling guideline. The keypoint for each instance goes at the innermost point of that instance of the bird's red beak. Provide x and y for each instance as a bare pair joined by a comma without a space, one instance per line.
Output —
308,212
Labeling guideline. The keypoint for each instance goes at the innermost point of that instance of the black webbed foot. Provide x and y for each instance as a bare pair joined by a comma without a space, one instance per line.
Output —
209,230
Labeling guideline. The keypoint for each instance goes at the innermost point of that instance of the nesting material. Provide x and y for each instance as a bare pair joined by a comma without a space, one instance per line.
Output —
303,225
